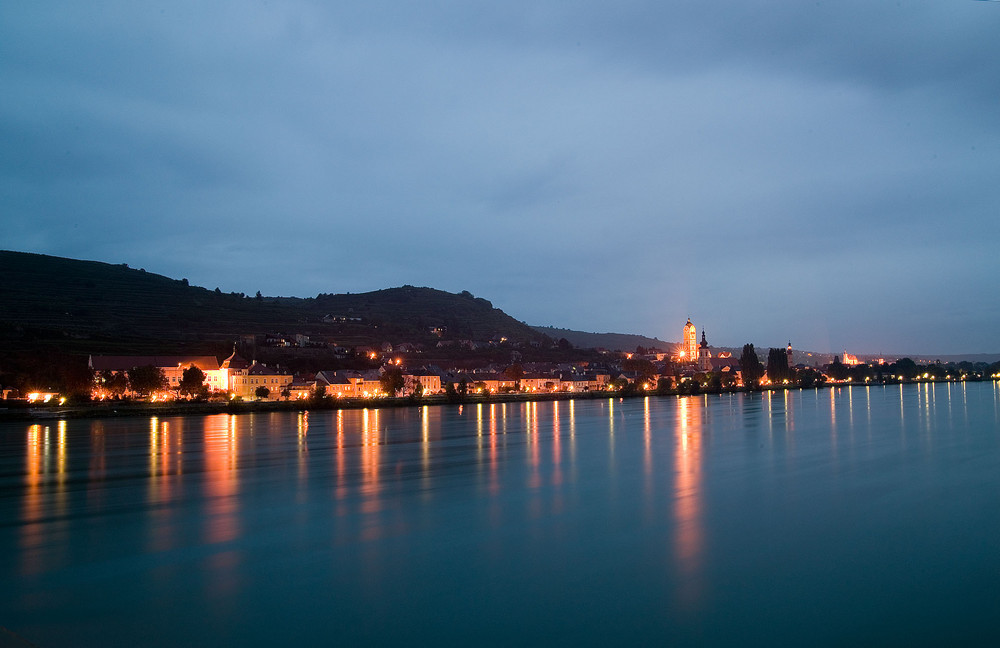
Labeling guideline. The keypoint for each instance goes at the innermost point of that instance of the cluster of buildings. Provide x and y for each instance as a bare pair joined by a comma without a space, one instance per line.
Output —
239,378
242,379
235,375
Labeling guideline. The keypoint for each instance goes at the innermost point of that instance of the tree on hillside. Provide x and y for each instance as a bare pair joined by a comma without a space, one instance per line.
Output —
192,382
146,380
391,380
751,367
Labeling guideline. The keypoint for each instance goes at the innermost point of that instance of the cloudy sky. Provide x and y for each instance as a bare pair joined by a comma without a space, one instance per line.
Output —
824,172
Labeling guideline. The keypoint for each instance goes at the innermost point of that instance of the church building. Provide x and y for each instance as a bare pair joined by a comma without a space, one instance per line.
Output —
689,348
704,355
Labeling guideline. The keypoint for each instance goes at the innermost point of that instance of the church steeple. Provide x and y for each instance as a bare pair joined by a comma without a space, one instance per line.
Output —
689,349
704,355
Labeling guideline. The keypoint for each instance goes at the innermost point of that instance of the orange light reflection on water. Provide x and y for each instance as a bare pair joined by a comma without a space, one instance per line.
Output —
687,500
341,490
531,413
494,485
221,478
43,507
647,436
302,432
370,457
31,532
557,476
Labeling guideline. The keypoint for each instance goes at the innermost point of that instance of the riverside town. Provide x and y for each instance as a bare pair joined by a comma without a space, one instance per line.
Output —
398,373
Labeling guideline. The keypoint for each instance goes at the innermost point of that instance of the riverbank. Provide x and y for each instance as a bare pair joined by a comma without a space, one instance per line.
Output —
15,411
114,409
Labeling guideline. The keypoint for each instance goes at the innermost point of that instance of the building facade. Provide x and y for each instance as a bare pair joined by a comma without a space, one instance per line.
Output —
244,383
689,348
704,355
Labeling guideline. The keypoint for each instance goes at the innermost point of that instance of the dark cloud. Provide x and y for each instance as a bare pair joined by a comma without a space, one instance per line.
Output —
815,171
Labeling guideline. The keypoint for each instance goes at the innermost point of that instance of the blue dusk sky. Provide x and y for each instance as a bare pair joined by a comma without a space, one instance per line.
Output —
821,172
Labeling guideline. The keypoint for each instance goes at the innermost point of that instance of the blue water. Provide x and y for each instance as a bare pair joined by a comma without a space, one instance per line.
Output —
848,516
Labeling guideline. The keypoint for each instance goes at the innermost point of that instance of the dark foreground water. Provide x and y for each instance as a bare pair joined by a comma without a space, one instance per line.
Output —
851,516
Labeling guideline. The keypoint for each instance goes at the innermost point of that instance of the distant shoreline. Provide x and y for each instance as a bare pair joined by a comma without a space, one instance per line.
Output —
119,409
140,409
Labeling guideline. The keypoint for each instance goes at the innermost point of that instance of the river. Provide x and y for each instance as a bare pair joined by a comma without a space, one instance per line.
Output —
842,516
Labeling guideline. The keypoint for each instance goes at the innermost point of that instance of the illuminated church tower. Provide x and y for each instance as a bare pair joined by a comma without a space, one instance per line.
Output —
788,354
690,344
704,355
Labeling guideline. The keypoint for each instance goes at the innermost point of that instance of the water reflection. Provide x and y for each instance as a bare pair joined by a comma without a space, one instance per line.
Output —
370,465
647,437
221,478
789,400
557,476
996,401
347,517
302,435
340,492
165,456
61,460
494,483
687,500
31,535
572,437
534,449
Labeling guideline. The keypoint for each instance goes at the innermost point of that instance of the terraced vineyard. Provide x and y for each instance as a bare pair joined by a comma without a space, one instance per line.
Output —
92,307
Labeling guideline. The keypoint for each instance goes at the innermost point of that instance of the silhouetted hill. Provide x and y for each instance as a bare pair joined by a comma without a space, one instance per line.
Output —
94,307
609,341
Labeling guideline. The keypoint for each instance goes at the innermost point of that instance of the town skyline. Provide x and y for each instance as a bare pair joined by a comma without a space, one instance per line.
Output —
816,172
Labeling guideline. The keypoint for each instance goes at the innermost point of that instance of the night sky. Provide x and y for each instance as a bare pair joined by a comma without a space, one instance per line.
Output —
824,172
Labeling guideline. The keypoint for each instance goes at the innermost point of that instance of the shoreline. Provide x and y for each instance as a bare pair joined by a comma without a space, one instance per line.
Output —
119,409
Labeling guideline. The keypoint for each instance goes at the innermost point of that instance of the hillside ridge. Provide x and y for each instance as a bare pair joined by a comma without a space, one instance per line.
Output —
99,307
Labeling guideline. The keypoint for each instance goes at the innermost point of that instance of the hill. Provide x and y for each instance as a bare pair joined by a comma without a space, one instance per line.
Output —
610,341
92,307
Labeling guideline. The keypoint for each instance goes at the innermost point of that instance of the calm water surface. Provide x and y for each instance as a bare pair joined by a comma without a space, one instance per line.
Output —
837,517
